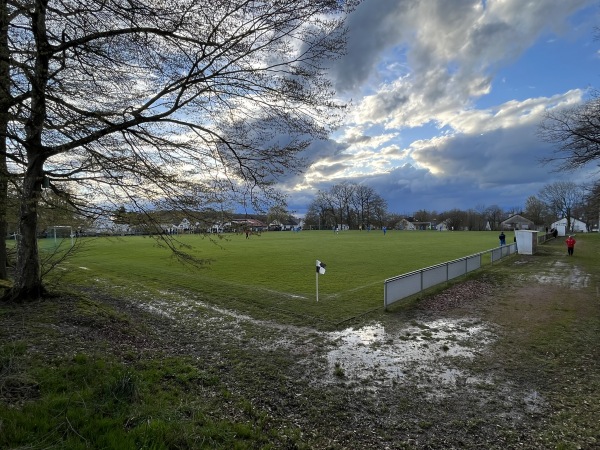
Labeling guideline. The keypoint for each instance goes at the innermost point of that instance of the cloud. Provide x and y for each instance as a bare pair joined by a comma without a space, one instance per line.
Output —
417,72
447,53
491,157
373,29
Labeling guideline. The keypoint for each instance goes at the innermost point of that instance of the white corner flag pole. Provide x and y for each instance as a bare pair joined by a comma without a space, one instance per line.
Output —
317,274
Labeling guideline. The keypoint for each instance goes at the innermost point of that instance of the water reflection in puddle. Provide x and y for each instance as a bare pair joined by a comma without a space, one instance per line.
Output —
423,352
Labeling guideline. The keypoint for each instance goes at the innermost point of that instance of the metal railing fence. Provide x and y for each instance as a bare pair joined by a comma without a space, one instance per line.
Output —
403,286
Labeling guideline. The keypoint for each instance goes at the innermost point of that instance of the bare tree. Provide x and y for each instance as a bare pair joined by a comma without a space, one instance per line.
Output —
278,213
160,104
576,131
455,219
423,215
341,198
480,214
590,208
562,197
473,220
351,204
366,201
321,211
494,215
380,213
536,210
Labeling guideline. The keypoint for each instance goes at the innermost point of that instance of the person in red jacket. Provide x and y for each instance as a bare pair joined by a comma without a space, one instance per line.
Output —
570,245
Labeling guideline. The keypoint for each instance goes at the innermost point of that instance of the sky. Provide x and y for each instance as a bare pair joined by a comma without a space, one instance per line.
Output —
446,101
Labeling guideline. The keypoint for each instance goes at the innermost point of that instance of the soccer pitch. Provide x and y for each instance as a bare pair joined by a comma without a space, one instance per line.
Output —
273,275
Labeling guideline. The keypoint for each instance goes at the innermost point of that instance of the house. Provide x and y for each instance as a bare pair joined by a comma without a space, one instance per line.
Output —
288,224
577,226
184,227
442,226
250,224
107,227
411,224
405,225
517,222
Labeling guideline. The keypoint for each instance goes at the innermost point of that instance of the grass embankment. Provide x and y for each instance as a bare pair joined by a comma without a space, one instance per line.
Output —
95,372
77,373
550,317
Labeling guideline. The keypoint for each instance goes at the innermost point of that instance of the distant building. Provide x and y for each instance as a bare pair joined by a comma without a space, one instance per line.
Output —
517,222
577,226
442,226
283,225
250,224
405,225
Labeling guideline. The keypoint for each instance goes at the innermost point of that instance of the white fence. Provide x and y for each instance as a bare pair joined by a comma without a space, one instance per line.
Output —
402,286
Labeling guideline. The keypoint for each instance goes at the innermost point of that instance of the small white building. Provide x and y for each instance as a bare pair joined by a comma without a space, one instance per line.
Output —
577,226
442,226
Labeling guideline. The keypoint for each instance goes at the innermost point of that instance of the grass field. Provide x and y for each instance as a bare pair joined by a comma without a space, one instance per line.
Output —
273,274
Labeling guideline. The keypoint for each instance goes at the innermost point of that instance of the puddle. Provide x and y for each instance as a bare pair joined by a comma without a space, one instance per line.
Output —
157,311
564,275
182,309
428,355
422,352
534,402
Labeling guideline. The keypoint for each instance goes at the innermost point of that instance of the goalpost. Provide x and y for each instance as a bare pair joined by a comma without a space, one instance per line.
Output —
63,232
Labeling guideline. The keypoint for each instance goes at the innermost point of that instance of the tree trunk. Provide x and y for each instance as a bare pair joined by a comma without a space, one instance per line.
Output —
28,280
3,206
4,106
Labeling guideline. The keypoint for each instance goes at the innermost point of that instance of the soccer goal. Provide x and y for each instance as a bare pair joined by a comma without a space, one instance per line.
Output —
62,232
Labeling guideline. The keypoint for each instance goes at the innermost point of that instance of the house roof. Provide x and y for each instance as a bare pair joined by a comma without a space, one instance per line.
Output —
517,219
250,222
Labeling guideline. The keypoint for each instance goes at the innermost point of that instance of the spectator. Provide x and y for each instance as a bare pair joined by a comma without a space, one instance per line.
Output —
570,245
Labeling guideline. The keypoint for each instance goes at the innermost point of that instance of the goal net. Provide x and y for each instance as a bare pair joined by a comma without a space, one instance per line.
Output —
62,232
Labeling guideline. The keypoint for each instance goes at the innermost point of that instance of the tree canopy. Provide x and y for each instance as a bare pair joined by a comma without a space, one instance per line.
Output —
159,104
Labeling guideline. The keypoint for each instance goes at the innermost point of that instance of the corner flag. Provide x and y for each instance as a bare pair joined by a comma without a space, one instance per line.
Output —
320,270
320,267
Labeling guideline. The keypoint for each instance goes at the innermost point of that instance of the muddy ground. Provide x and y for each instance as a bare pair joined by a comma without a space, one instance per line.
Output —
481,364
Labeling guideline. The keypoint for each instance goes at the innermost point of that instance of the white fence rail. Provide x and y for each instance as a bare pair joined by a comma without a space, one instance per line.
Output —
403,286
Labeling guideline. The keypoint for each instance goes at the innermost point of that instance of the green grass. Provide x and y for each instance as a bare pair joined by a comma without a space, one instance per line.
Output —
274,273
89,402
